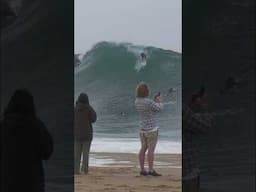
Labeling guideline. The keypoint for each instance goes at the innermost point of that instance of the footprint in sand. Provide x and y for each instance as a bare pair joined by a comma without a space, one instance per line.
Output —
164,186
123,186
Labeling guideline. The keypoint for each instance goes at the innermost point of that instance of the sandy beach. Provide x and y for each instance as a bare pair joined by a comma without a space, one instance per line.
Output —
122,174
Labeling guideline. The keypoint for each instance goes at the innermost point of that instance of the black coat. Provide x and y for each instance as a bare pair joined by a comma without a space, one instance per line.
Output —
25,144
84,117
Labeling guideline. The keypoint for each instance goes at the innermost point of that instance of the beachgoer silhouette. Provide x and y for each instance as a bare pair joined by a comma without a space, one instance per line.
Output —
196,121
83,131
8,15
26,143
197,102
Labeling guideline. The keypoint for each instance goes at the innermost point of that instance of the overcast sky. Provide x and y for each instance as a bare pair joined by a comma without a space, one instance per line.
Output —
142,22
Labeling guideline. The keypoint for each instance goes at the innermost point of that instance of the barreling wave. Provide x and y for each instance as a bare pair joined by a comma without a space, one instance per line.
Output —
121,61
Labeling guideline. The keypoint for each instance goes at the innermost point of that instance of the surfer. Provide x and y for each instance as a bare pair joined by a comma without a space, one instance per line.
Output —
147,108
143,56
170,91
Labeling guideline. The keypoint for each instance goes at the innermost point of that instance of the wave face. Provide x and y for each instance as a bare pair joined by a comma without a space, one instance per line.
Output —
109,73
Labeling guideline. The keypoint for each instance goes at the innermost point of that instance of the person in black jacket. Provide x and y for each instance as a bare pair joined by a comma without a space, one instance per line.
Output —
7,14
83,132
25,144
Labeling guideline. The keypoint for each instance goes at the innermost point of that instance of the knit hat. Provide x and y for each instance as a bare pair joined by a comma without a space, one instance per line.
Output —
83,98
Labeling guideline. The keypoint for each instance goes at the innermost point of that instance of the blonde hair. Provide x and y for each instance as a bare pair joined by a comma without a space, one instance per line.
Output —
142,90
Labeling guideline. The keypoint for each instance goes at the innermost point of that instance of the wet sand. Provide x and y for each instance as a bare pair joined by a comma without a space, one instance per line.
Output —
122,175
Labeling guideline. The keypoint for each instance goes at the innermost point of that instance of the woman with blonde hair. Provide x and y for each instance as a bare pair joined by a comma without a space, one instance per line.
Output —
147,108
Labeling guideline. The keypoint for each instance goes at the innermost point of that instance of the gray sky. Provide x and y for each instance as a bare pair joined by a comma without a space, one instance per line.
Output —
142,22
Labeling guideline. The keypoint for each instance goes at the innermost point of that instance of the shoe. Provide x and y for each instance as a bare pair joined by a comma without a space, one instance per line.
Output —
154,173
144,173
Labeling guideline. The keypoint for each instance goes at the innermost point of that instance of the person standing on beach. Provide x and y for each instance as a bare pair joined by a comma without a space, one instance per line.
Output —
196,121
147,109
83,132
25,144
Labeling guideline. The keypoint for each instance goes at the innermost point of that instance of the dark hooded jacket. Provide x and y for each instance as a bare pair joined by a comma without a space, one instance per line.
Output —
25,144
8,15
84,117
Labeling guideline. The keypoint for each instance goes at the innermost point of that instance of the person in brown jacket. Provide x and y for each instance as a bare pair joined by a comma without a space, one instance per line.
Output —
83,132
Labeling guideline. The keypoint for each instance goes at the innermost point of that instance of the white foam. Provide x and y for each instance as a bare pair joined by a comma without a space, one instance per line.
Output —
137,50
96,161
106,161
140,65
132,145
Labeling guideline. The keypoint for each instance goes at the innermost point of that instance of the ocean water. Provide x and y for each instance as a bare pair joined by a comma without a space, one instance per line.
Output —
109,74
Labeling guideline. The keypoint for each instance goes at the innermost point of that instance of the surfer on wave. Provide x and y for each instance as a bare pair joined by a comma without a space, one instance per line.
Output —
143,57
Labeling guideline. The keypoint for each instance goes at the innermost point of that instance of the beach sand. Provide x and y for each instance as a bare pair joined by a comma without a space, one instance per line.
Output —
123,175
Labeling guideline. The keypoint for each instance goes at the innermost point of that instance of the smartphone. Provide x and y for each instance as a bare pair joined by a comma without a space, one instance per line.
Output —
157,95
